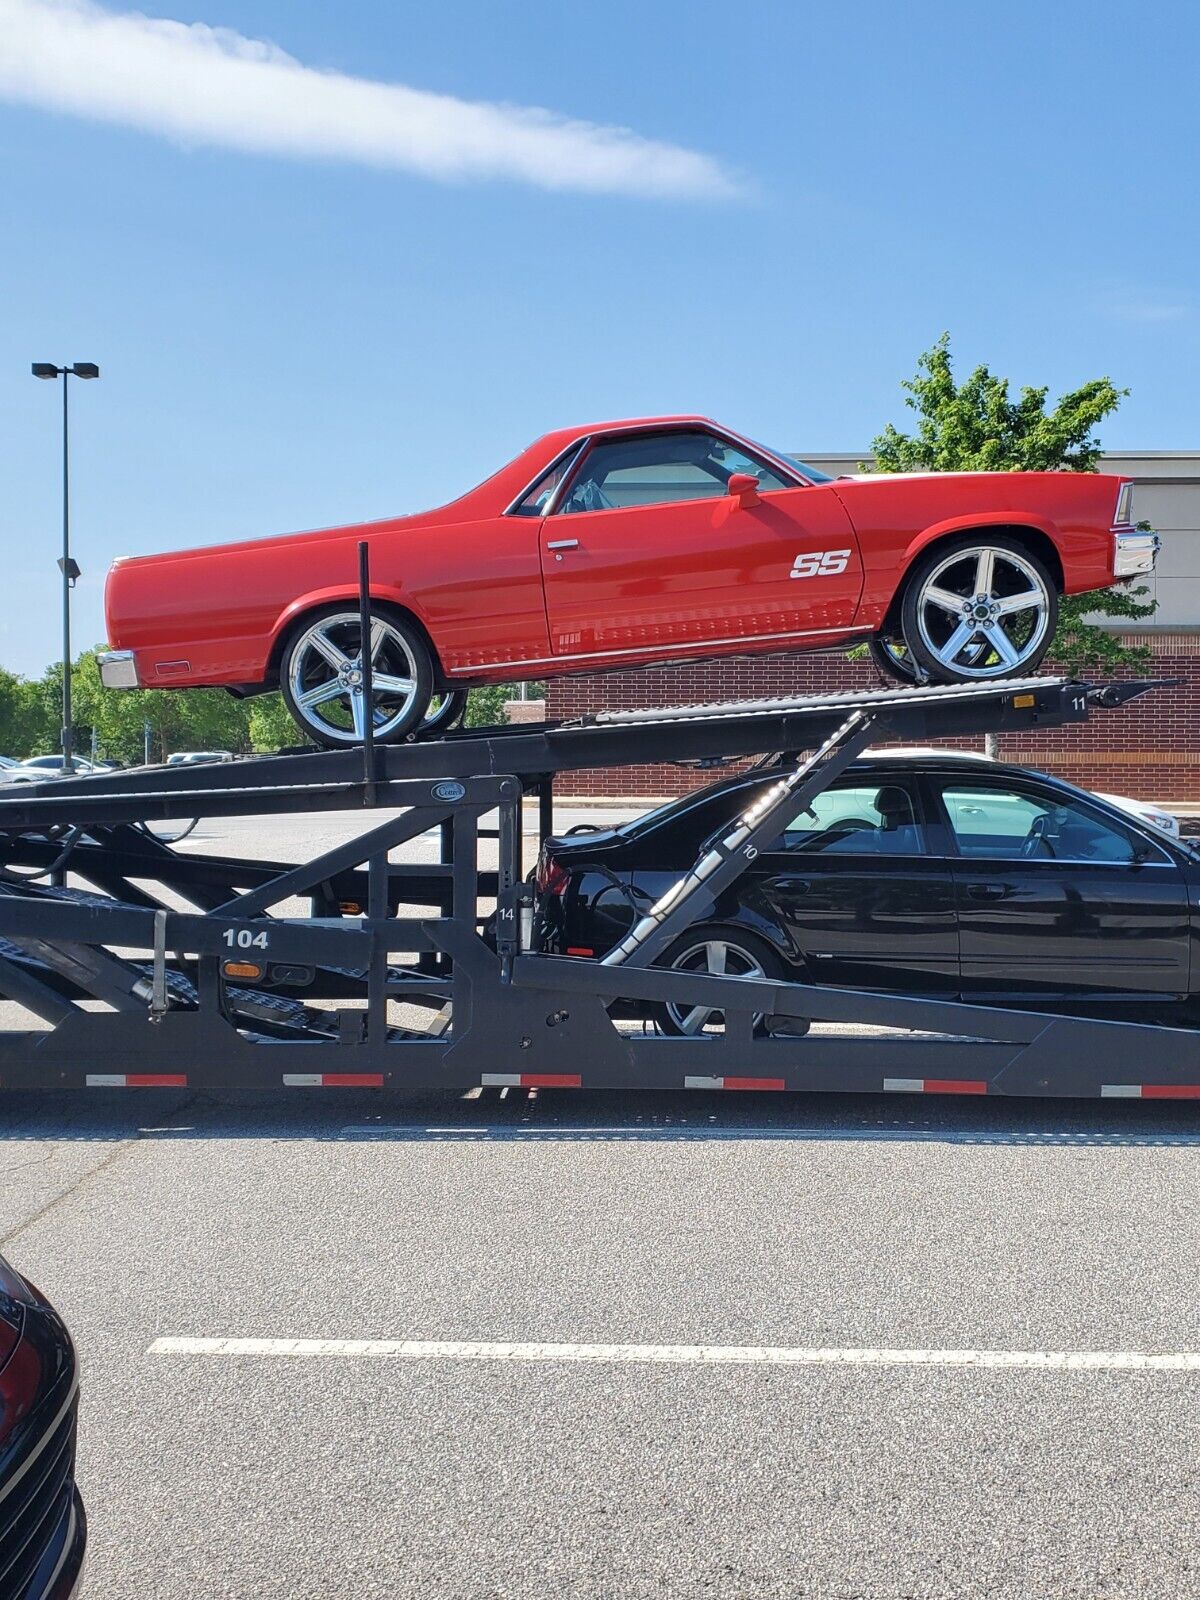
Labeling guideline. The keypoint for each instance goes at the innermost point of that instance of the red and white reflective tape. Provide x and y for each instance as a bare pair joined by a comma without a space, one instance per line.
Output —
136,1080
531,1080
934,1086
734,1083
333,1080
1150,1091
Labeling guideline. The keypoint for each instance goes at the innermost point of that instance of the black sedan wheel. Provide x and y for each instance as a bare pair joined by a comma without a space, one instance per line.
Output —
721,952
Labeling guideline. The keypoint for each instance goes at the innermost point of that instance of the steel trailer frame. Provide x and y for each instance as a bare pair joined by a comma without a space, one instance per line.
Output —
140,979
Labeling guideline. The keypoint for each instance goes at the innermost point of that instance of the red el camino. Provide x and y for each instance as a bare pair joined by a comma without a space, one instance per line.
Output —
658,539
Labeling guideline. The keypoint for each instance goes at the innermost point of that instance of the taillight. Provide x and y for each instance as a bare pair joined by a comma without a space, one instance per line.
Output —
1124,512
552,877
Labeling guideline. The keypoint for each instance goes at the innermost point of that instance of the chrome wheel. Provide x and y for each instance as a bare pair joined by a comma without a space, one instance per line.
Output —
443,711
984,611
323,675
723,958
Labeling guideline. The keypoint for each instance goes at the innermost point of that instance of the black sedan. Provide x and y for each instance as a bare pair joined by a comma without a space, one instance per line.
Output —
42,1527
943,875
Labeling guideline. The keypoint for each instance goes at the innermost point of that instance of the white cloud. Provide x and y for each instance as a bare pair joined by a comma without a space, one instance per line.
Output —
203,85
1143,308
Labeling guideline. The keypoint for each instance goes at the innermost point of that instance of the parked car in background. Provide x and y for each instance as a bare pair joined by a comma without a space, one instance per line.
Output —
197,758
56,763
43,1530
621,544
929,873
1157,816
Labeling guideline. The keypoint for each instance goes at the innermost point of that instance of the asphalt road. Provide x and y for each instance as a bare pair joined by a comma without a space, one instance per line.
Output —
660,1220
821,1224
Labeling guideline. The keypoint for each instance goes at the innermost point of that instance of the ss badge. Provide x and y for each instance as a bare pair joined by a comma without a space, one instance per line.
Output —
820,563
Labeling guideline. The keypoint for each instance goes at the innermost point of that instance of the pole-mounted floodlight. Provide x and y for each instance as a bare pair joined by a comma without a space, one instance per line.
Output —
66,564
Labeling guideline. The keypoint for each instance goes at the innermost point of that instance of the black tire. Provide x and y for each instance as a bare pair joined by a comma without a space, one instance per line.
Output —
301,666
760,952
951,558
445,716
880,648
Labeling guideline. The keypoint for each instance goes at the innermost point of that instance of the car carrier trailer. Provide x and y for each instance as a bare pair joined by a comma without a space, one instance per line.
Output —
150,966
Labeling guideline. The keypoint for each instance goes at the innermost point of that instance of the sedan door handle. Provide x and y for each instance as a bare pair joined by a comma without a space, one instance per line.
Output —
562,544
794,885
987,891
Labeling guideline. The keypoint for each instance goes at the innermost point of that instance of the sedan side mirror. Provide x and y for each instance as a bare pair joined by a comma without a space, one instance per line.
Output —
744,488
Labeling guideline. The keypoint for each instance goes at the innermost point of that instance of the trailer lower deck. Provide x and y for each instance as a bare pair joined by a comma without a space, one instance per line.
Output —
146,965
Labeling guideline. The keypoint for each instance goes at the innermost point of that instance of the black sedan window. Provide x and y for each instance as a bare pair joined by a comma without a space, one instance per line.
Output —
1000,822
860,819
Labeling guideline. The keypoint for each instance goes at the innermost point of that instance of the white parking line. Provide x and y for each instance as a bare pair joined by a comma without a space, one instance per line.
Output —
705,1355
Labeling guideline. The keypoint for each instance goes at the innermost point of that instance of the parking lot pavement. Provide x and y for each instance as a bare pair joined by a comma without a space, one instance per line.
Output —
831,1224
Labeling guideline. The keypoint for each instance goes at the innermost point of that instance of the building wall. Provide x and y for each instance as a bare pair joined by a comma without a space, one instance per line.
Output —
1149,749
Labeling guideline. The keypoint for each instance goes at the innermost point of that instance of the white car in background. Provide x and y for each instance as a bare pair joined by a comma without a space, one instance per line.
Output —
1156,816
40,769
1145,812
198,758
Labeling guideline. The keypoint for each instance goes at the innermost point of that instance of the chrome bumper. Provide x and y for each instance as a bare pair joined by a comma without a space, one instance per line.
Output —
1134,552
118,669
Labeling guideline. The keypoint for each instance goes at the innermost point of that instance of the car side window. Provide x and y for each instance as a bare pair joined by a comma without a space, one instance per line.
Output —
662,468
534,503
994,822
860,819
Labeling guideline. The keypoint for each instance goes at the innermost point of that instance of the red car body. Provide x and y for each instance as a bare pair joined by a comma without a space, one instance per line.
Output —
634,584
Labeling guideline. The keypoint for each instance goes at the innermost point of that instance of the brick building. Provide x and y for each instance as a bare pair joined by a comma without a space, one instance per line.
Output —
1151,751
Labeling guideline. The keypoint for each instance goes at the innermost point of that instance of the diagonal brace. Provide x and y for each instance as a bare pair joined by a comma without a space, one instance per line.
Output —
693,897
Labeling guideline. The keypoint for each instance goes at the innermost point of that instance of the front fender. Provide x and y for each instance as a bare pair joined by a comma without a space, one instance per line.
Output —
982,519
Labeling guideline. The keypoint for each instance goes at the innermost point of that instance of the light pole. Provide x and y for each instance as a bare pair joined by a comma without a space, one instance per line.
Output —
69,569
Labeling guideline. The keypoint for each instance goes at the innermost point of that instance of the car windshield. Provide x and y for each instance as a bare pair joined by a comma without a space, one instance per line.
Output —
789,458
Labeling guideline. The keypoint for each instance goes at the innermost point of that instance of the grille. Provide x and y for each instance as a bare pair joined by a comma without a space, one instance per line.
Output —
32,1512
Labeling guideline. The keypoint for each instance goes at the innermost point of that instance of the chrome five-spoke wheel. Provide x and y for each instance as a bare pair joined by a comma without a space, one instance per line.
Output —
323,680
975,610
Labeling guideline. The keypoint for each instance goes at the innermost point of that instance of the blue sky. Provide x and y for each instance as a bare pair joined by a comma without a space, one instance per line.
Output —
291,340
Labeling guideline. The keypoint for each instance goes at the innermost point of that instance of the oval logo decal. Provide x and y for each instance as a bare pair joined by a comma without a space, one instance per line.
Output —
448,791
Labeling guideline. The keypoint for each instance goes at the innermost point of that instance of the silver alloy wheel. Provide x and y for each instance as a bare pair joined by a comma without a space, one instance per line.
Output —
325,678
722,958
983,612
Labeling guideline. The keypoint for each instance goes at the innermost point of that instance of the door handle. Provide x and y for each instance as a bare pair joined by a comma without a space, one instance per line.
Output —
562,544
987,891
794,885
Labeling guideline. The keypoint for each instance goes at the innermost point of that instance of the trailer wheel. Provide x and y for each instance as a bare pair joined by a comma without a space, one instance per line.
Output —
721,951
321,676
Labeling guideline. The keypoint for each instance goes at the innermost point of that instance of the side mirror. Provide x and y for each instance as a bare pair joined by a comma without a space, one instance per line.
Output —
744,488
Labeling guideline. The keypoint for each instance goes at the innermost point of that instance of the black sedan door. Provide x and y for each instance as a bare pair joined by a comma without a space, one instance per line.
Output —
851,886
1057,897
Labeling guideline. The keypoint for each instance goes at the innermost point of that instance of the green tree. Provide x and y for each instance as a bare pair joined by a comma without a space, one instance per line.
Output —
29,722
975,426
271,724
180,719
485,707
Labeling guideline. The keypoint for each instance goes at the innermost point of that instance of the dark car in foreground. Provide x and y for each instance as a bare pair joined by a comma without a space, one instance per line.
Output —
943,875
42,1526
